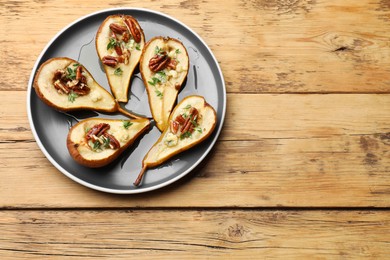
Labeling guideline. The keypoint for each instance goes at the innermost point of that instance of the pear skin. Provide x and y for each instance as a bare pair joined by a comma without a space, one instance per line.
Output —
163,82
119,44
99,149
186,129
97,98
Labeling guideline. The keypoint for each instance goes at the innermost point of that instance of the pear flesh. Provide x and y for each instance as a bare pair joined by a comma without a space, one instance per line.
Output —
100,150
96,99
108,40
163,85
177,139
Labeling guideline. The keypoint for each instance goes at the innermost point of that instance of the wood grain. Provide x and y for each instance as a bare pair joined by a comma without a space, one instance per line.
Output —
194,234
307,126
295,151
274,46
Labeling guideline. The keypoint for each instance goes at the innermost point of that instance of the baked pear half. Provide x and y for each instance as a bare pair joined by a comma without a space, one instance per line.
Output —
96,142
119,44
164,67
191,122
66,85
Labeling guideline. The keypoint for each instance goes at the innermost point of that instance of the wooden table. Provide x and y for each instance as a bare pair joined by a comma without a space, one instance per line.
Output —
301,169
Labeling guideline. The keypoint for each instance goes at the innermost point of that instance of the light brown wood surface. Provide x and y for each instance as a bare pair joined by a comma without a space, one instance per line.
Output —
284,155
307,126
194,234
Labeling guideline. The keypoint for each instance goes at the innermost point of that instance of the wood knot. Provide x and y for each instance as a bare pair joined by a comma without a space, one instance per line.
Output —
283,7
343,48
236,230
385,138
368,144
371,159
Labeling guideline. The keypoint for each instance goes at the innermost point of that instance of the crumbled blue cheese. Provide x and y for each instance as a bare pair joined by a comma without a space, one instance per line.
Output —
172,73
172,54
95,96
123,136
171,140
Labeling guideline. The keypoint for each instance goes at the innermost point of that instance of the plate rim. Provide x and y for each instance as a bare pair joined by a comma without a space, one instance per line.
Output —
110,190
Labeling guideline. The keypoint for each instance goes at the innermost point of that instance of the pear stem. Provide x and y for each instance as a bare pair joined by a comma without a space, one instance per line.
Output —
127,113
140,175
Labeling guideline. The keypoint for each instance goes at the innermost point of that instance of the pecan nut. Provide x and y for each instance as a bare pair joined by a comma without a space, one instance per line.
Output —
97,130
116,28
185,125
78,73
174,126
61,87
191,121
172,64
159,62
125,37
65,83
131,24
83,90
110,61
59,74
113,142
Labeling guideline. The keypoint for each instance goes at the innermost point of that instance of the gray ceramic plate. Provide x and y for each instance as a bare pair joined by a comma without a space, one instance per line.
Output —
50,127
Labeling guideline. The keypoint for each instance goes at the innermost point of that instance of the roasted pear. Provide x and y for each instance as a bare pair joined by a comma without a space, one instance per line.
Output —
119,43
164,67
191,122
96,142
66,85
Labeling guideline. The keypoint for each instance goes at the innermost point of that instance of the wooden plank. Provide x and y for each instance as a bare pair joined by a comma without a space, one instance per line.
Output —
195,234
276,47
296,150
326,172
250,116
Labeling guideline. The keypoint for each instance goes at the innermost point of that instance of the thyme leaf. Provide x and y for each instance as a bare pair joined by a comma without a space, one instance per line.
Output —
72,96
111,44
118,71
157,50
127,124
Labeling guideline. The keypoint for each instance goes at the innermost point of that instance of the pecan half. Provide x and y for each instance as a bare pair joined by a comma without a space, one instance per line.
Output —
125,37
83,79
131,24
116,28
117,47
59,74
191,121
174,126
180,119
83,90
78,72
172,64
125,57
61,87
159,62
114,144
95,130
110,60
